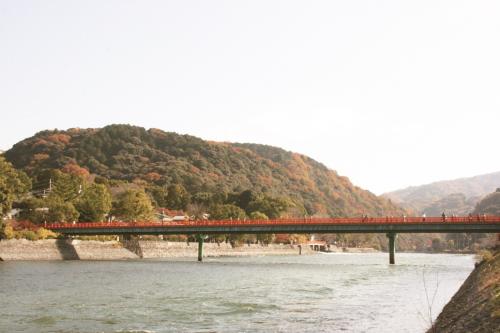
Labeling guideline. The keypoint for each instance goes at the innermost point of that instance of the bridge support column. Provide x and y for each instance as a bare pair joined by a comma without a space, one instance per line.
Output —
200,247
124,237
392,247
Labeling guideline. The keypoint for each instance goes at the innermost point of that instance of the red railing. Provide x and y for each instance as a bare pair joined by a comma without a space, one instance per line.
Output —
303,221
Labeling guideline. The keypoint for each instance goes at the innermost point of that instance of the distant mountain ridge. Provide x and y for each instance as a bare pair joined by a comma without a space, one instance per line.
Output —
134,154
489,204
458,195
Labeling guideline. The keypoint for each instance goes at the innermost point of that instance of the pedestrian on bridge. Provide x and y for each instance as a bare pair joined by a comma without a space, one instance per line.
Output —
444,217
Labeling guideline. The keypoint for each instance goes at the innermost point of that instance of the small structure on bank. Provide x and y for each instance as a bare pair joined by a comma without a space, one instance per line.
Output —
318,245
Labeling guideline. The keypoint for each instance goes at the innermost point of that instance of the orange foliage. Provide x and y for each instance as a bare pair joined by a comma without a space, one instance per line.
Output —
40,157
213,175
40,142
59,138
75,169
267,180
152,176
319,209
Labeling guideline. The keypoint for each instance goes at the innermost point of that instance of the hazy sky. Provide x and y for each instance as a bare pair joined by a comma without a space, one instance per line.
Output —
388,93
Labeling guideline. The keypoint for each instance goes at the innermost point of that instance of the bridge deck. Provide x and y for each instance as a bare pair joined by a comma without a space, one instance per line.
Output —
486,224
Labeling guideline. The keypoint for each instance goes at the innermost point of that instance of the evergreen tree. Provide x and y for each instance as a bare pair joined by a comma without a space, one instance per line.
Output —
133,205
177,197
94,204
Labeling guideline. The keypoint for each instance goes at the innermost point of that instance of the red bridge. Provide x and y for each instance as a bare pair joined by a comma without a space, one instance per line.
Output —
388,225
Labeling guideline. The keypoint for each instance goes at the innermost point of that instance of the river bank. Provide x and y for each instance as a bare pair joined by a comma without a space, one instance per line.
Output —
63,249
476,305
149,249
72,249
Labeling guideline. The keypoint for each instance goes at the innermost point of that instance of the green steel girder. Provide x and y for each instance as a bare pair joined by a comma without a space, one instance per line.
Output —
292,229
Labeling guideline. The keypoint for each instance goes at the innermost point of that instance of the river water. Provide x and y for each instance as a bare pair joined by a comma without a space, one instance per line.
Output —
316,293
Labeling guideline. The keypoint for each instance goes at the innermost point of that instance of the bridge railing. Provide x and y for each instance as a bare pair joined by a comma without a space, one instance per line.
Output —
290,221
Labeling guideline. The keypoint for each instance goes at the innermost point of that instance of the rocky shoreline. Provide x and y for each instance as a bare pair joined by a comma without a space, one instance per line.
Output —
476,305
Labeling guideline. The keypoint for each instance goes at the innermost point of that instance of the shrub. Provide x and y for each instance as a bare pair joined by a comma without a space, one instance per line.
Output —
43,233
27,234
485,255
8,232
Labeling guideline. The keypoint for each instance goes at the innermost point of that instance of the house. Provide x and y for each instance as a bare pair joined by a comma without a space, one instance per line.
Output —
167,215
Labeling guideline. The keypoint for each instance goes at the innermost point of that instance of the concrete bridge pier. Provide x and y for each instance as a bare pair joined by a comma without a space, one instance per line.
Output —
131,243
392,247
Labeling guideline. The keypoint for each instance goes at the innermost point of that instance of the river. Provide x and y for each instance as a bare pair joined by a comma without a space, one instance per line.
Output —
315,293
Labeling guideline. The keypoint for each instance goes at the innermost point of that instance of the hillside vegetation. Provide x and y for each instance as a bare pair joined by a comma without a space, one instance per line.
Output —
489,205
158,160
457,196
476,306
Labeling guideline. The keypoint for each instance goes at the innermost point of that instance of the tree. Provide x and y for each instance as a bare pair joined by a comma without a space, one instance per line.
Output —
133,205
203,198
266,238
272,207
223,212
226,212
177,197
74,169
61,211
245,198
64,185
13,185
94,204
436,245
159,195
67,186
258,216
6,231
262,238
50,209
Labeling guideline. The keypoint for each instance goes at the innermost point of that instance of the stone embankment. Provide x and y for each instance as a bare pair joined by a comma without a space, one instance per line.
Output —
476,305
164,249
63,249
73,249
68,249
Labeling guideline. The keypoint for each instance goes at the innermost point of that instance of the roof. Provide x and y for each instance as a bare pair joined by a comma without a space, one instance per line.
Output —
170,212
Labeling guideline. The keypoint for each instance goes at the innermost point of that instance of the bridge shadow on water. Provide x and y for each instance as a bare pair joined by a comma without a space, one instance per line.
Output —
66,249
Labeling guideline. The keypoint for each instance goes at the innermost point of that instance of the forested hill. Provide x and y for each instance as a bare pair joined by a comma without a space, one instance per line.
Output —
155,157
455,196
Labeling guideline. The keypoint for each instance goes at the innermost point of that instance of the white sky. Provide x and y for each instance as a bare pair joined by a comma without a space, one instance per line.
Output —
388,93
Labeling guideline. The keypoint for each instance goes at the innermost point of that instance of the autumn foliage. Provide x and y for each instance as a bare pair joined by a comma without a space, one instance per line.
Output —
157,160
